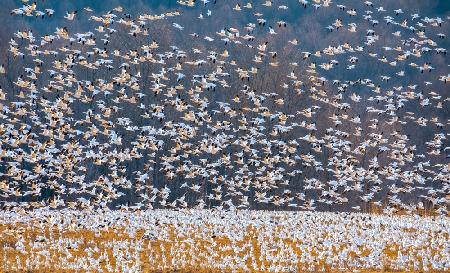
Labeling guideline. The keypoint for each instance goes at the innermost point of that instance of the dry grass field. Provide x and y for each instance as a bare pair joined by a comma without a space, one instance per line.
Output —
194,247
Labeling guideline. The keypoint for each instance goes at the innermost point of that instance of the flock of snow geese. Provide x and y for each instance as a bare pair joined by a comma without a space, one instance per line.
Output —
223,241
138,112
308,105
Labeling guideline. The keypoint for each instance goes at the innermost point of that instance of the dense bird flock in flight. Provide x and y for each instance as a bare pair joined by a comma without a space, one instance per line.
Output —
233,105
139,112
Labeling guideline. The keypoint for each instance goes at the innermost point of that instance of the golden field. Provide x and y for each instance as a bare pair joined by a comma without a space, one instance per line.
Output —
41,246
